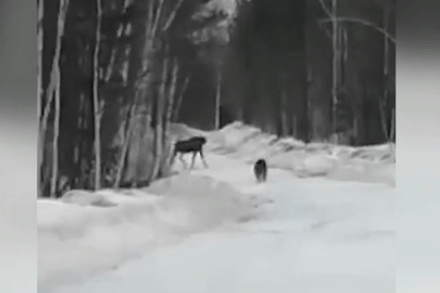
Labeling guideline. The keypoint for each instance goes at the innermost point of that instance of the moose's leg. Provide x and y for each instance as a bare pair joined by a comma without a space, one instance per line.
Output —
182,160
203,158
193,159
173,157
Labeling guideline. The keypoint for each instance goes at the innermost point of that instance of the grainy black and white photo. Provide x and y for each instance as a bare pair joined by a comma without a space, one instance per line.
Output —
213,146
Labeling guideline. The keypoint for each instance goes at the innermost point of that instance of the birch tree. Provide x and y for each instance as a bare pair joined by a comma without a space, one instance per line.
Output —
40,15
97,104
333,18
171,97
158,125
53,94
387,130
163,19
178,104
218,94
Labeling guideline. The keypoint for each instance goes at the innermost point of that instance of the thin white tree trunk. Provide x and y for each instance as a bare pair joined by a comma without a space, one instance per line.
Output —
334,67
40,53
392,133
56,131
54,93
340,52
310,119
355,128
393,125
385,73
283,113
168,114
172,92
218,100
40,91
383,118
345,35
157,155
295,126
180,99
129,129
110,67
96,103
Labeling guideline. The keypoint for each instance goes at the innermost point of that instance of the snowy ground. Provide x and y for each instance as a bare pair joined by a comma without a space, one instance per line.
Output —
324,220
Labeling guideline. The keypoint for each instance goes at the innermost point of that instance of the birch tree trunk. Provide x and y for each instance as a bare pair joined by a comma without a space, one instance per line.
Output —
310,119
53,92
385,74
218,100
393,125
295,126
158,127
335,67
129,124
178,103
96,103
56,131
283,114
171,97
40,93
383,116
355,130
40,15
167,120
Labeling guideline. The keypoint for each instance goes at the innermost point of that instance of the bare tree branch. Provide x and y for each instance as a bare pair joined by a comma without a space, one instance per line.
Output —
150,18
172,16
363,22
157,18
110,67
325,8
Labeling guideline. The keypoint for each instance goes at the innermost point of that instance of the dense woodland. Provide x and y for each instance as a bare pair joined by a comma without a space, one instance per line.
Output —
114,74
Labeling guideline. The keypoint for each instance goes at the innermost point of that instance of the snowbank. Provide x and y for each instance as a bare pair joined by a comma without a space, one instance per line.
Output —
204,202
366,164
85,233
316,234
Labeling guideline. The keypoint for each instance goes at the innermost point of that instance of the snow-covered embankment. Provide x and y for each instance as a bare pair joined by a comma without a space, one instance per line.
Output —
86,233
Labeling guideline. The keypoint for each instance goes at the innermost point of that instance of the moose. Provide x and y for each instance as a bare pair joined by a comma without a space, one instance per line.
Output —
192,145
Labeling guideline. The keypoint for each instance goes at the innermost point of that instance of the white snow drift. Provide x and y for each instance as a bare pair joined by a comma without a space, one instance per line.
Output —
365,164
310,235
328,230
85,233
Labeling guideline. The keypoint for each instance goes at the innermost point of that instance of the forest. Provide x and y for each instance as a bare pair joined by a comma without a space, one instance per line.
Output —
114,75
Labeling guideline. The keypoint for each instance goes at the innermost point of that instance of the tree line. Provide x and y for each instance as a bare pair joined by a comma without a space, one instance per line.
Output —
114,75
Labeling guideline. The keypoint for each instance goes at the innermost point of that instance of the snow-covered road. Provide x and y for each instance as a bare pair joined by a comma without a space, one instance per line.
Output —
310,235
